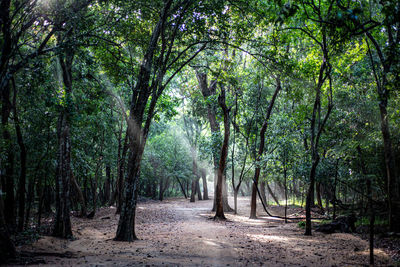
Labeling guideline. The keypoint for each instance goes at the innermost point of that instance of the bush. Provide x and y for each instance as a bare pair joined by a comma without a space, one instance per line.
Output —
302,224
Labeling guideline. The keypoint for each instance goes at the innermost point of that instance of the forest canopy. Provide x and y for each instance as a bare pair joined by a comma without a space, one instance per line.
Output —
107,103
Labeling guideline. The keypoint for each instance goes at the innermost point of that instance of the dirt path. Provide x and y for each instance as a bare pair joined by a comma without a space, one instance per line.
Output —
177,232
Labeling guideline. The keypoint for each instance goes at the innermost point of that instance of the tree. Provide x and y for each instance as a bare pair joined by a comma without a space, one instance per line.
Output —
193,131
261,148
386,46
19,19
209,91
219,214
157,61
62,223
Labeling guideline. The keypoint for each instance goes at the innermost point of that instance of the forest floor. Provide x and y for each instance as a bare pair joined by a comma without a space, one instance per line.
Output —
176,232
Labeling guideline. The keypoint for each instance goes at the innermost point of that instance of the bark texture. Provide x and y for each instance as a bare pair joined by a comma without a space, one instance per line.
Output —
209,90
317,126
62,222
224,154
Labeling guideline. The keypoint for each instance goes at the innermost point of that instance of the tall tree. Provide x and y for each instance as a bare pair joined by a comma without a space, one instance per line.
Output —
208,91
159,59
263,130
73,13
193,131
219,213
385,67
62,223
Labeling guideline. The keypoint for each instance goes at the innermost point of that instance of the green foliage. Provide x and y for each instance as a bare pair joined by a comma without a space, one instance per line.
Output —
166,159
301,224
248,46
379,221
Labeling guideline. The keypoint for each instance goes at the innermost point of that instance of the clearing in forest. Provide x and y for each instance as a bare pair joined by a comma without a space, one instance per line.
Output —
179,233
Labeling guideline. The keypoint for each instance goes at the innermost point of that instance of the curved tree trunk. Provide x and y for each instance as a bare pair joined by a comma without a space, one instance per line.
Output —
319,197
262,191
253,204
79,193
145,95
181,186
137,135
272,194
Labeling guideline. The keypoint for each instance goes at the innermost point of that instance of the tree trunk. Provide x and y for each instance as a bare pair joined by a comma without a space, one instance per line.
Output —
7,175
199,196
194,176
79,194
253,204
262,191
209,90
224,154
33,182
235,195
7,246
107,185
40,206
182,187
62,222
138,125
137,136
334,189
47,199
204,178
193,190
309,195
317,126
7,209
126,224
286,189
393,194
23,155
121,172
225,203
387,60
272,195
370,206
114,194
30,199
161,190
319,198
94,184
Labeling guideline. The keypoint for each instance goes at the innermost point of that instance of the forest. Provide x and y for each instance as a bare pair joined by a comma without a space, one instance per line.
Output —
200,132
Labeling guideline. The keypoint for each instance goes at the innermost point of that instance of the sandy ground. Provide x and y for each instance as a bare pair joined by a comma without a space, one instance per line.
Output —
176,232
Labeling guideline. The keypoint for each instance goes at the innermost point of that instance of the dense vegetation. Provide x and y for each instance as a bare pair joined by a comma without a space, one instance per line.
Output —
103,102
